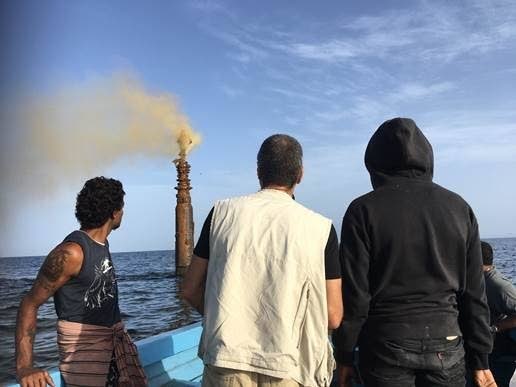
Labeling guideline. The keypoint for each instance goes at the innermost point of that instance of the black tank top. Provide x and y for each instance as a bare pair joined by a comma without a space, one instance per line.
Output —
92,296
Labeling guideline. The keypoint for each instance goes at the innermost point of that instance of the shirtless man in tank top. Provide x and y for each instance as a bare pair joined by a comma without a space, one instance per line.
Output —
79,274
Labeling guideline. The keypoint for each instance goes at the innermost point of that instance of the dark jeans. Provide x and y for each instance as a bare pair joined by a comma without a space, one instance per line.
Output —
411,362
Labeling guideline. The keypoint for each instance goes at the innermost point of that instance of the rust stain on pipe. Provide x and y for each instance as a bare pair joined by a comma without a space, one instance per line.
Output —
184,216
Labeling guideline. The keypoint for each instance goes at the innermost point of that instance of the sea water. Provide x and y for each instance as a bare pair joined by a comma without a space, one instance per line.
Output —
148,293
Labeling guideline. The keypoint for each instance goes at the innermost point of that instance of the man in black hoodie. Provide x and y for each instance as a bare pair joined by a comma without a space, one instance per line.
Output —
412,273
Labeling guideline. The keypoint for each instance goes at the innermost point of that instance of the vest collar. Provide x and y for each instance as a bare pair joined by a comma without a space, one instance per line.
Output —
275,193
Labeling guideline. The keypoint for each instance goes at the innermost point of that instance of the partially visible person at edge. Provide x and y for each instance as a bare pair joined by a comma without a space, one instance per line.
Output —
94,347
501,298
266,276
412,275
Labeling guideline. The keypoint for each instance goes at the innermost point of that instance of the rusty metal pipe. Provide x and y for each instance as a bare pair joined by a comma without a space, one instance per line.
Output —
184,216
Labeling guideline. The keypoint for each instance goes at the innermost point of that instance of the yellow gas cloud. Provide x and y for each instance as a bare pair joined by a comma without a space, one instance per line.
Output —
94,124
59,139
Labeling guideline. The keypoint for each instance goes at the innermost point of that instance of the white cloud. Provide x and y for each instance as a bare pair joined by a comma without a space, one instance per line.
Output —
231,91
370,109
430,32
291,93
363,70
209,7
334,50
241,57
487,137
412,91
292,121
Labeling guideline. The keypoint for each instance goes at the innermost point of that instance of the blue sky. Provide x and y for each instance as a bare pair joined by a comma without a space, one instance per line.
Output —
328,73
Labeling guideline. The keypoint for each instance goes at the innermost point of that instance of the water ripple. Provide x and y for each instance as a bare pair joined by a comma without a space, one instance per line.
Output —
148,299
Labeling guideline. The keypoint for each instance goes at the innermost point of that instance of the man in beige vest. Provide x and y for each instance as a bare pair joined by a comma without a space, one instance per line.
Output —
266,277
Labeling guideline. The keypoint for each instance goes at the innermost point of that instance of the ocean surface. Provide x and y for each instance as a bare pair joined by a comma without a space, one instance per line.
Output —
148,293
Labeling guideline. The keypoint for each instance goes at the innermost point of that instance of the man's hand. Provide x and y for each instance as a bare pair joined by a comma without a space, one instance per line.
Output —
506,324
34,377
61,264
194,283
484,378
345,375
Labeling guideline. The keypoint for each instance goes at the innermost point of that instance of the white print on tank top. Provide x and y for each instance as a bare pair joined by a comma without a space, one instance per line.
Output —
103,286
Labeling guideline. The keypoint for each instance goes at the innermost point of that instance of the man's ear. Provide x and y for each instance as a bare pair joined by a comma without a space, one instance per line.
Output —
300,177
258,175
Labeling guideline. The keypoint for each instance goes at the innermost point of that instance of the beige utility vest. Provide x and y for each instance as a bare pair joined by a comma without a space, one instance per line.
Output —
265,301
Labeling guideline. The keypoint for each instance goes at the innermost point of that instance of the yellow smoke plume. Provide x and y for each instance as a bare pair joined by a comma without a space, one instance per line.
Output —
81,130
97,123
59,139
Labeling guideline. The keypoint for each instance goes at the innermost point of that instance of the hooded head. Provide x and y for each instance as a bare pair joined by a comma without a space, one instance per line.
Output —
397,149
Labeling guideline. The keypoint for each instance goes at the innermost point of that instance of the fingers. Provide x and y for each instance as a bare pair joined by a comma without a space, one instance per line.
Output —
489,383
37,379
486,379
48,379
30,381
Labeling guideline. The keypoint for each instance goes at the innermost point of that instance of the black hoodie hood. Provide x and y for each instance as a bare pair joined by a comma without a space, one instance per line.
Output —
398,149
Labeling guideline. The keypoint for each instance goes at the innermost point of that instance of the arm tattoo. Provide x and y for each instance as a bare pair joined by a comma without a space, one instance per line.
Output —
31,333
53,268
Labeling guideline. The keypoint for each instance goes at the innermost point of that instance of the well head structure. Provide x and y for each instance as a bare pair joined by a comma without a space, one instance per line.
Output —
184,216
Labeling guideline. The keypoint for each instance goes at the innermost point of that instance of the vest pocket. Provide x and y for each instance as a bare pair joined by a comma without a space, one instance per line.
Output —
302,309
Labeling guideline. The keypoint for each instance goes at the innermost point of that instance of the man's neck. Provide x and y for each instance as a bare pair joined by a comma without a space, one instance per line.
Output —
487,268
288,190
99,234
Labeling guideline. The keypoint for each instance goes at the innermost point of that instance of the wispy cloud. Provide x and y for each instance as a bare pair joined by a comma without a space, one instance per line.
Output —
368,109
411,91
334,50
435,31
208,6
246,49
430,31
231,91
347,76
465,137
292,93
